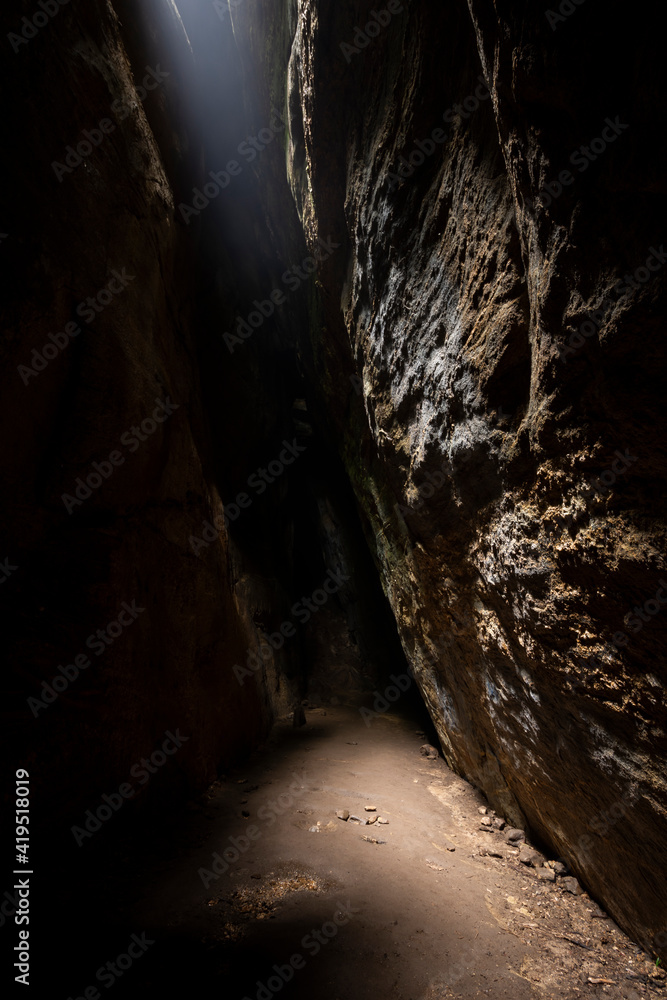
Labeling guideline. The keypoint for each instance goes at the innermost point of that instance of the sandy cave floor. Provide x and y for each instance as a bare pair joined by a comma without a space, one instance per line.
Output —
421,915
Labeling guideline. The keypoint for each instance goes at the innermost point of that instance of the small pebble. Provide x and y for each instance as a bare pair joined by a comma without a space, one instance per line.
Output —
546,874
343,814
530,857
370,809
513,834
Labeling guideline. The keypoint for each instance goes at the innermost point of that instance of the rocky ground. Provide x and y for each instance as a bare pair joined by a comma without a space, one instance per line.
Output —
347,861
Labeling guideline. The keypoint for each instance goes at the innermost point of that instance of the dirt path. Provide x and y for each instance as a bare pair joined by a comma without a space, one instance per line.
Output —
332,915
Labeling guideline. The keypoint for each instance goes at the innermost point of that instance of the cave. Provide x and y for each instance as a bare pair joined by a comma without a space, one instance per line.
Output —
333,566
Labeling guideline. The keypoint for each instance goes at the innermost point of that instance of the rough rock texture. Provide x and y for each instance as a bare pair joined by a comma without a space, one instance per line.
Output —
469,351
470,408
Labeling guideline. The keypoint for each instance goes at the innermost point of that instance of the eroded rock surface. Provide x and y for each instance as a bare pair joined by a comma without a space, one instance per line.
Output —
494,382
479,344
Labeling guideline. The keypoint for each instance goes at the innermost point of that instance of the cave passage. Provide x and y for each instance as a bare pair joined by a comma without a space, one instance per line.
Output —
343,857
333,561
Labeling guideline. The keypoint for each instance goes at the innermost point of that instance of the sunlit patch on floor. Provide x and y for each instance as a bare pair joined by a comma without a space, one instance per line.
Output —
259,900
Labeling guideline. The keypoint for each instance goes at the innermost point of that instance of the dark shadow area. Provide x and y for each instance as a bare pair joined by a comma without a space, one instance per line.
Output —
128,892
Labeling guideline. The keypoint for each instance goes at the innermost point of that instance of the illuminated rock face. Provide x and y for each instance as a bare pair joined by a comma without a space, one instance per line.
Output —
481,345
489,345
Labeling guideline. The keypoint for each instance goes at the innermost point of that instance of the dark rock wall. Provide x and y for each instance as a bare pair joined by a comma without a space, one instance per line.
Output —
493,384
129,540
461,338
158,103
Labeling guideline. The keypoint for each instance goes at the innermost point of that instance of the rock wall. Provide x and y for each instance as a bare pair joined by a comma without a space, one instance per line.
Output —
139,426
468,203
112,457
486,342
